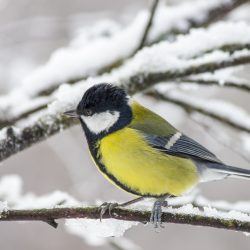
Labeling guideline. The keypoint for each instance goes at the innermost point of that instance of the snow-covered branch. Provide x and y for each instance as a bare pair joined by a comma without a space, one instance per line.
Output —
16,140
83,219
208,82
106,53
163,62
184,215
240,121
220,46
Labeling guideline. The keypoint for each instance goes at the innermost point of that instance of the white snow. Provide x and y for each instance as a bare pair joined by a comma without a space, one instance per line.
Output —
163,57
240,206
87,59
222,76
3,207
93,50
223,109
95,232
10,188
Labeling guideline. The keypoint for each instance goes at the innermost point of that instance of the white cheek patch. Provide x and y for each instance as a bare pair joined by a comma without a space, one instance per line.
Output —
98,123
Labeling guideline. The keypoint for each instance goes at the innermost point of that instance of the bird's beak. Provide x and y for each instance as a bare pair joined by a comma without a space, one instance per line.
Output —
71,113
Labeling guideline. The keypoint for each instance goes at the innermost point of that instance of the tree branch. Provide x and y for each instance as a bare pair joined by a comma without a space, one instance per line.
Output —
46,215
49,125
43,128
143,81
222,11
221,83
210,15
191,107
149,24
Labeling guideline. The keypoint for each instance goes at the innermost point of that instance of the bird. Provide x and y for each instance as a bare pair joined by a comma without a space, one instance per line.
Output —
142,153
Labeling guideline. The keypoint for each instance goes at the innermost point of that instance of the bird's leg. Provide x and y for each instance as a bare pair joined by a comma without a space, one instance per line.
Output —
108,206
156,213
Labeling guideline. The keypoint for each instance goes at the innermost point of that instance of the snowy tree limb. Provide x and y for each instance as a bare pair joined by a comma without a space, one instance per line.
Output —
49,215
206,82
168,76
210,14
40,130
142,81
49,125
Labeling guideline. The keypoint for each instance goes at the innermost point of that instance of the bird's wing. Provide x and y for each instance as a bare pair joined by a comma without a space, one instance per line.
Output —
162,135
181,145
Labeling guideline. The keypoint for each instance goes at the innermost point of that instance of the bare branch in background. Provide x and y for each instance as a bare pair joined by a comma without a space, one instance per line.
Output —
49,125
167,76
211,14
192,107
52,214
42,129
230,84
142,81
149,24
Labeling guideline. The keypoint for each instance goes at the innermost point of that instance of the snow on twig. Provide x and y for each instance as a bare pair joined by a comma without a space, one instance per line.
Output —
87,57
76,64
162,62
83,220
187,214
225,112
222,78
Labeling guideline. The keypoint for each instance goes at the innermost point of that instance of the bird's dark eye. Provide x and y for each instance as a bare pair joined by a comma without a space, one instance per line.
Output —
87,112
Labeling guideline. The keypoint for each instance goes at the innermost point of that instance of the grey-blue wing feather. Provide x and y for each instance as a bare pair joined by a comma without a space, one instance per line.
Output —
209,166
183,147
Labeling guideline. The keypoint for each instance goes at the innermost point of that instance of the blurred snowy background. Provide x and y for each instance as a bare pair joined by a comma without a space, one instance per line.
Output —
29,32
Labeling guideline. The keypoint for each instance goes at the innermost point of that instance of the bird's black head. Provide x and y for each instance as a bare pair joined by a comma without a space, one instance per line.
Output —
100,98
104,109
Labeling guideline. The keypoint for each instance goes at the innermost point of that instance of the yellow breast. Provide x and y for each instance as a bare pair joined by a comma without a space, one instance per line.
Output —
143,169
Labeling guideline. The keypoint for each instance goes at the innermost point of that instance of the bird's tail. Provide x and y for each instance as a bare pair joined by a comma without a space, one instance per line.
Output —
230,171
209,171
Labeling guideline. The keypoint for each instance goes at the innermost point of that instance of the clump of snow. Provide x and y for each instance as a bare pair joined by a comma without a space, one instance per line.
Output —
3,207
10,188
240,206
11,191
95,232
103,28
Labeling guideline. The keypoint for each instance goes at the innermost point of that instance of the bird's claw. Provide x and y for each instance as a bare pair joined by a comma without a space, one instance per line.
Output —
156,213
107,206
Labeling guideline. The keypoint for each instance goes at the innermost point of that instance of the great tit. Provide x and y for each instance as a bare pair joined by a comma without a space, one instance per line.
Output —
140,152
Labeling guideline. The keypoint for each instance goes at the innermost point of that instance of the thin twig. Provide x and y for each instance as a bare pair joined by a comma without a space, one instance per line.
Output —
189,107
49,125
149,24
207,82
145,80
123,214
210,16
